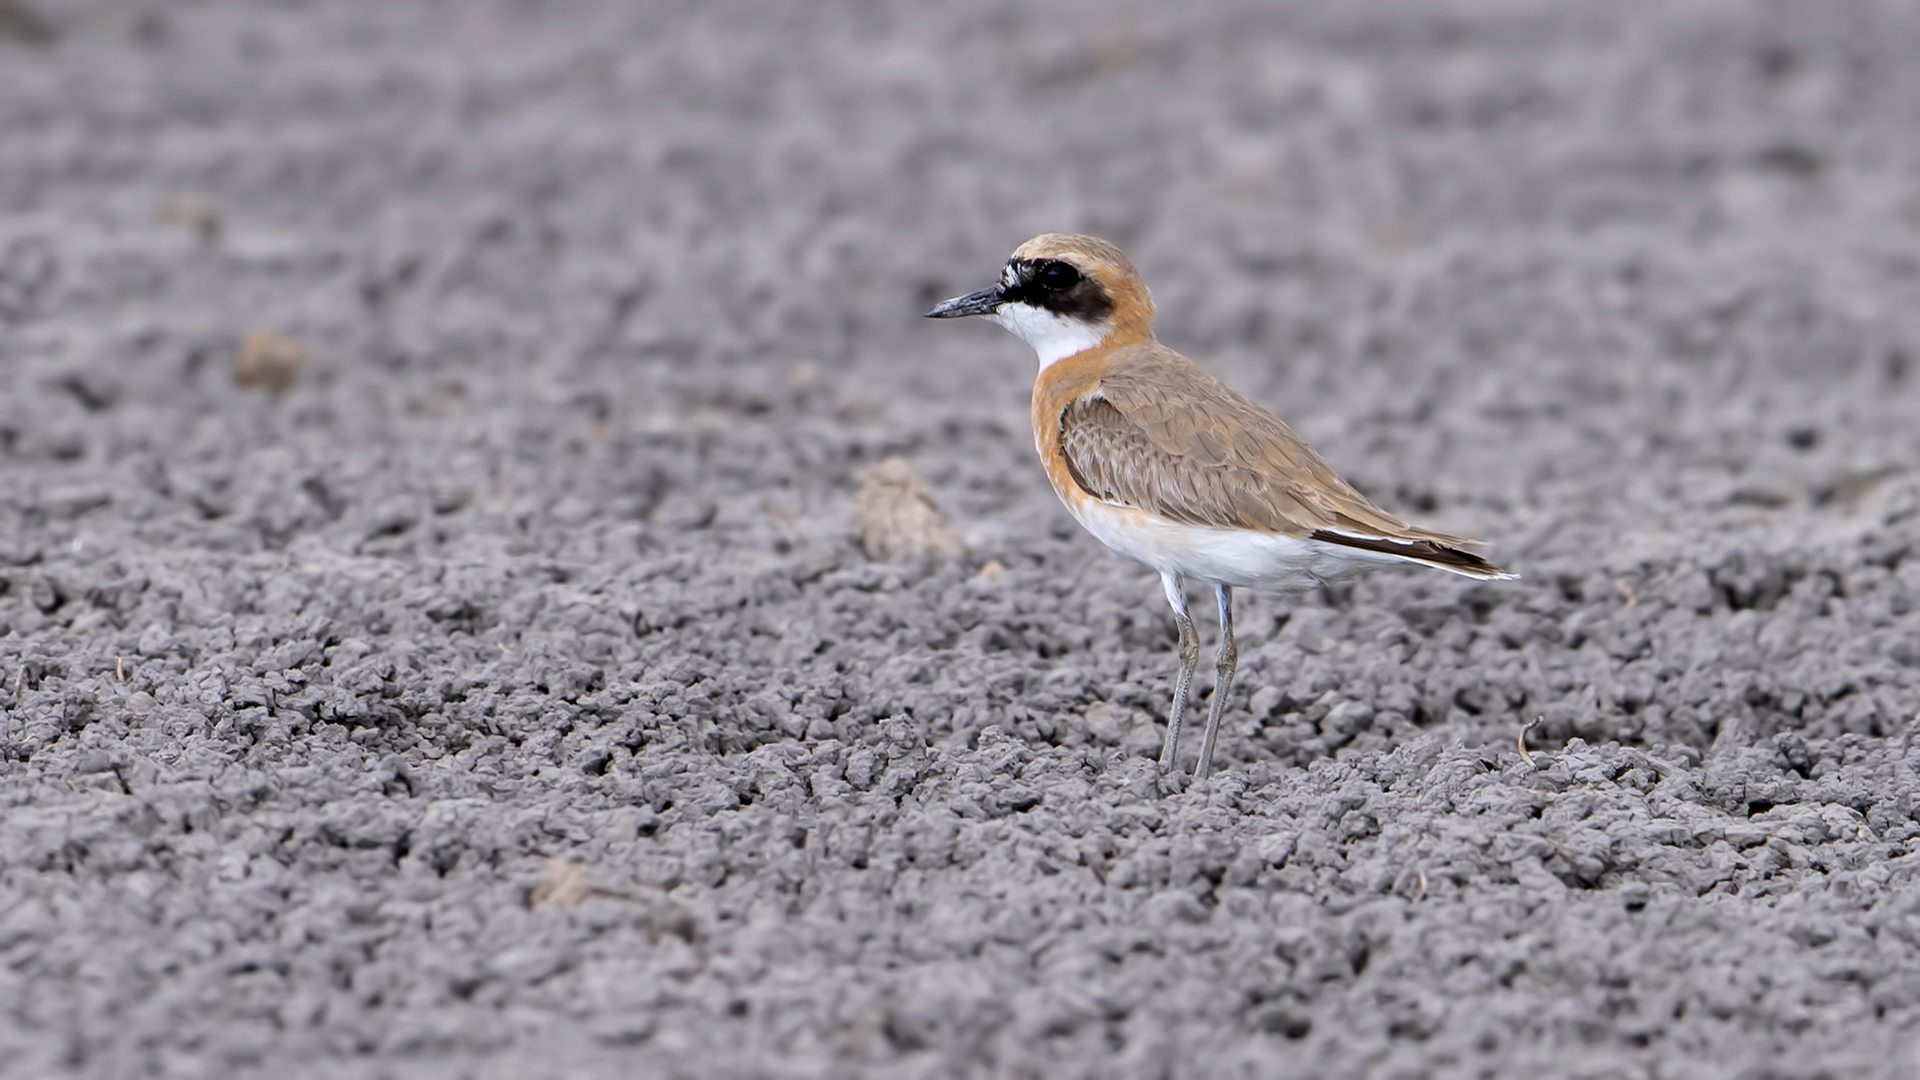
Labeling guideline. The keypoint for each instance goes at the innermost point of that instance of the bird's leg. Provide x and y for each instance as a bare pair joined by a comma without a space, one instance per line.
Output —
1222,682
1189,659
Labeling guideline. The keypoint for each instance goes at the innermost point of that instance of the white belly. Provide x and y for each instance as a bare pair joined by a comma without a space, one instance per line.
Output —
1223,556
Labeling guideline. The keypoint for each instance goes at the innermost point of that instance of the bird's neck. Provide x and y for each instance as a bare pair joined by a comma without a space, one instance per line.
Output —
1056,337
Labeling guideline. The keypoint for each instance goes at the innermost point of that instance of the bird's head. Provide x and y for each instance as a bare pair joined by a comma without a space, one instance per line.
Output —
1063,294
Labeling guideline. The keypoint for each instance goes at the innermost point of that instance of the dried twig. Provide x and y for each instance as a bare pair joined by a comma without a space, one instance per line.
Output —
1520,741
119,669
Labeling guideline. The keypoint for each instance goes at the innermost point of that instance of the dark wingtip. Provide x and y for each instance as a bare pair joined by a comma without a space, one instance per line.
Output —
1420,551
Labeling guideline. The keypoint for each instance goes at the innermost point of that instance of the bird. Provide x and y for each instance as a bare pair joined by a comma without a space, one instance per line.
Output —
1168,466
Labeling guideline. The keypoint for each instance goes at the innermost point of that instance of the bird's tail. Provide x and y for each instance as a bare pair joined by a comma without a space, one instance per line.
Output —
1427,549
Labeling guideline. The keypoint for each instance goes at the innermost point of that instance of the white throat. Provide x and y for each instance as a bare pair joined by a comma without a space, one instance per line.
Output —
1052,337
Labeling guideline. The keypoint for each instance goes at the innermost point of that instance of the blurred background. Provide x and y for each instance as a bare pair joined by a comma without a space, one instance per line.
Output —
1628,289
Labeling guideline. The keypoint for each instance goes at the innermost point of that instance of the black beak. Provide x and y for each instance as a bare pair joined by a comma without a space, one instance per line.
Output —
983,302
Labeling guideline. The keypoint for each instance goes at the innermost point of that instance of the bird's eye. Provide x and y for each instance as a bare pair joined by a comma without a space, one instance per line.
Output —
1056,276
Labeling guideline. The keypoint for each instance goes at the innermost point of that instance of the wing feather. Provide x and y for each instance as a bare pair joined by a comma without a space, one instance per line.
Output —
1162,435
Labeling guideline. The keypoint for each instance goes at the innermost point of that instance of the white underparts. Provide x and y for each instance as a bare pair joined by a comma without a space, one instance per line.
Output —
1054,338
1242,557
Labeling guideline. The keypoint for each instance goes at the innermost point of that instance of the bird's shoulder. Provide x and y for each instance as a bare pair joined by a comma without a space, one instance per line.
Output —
1185,410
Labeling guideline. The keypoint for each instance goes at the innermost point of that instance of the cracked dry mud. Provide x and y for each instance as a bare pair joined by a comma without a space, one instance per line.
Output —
496,686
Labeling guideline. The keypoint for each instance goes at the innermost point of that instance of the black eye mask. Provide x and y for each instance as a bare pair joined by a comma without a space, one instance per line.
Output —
1057,286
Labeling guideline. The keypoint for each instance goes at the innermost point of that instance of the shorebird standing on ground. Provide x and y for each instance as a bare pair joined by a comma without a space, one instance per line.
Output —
1166,465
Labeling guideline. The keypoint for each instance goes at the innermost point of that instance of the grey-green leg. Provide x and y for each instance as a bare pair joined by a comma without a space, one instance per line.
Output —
1222,682
1189,659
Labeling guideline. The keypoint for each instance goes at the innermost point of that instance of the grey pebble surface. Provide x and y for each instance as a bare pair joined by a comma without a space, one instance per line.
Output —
510,695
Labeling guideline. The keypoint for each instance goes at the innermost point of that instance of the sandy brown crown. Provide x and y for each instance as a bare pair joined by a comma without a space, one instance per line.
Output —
1107,265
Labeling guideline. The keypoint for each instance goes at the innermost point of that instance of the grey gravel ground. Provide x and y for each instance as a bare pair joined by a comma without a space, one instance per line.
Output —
511,697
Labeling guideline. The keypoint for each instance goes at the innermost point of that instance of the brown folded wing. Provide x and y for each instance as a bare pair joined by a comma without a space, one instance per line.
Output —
1162,435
